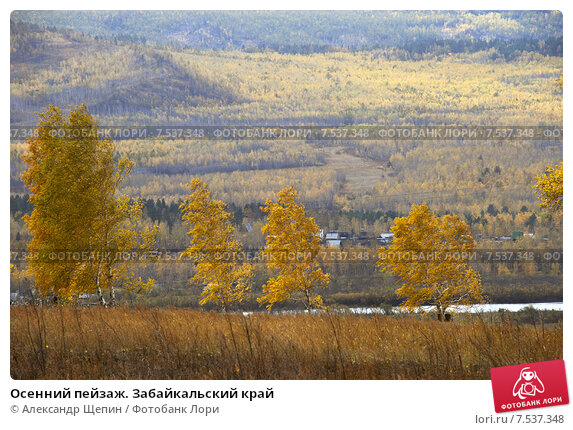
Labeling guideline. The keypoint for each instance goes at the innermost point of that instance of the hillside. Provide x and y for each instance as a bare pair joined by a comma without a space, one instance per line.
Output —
131,83
115,79
316,31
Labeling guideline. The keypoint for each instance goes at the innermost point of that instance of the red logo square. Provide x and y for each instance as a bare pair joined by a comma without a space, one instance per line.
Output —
528,386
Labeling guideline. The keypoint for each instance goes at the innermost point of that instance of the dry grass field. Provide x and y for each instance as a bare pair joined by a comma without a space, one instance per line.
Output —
361,174
65,342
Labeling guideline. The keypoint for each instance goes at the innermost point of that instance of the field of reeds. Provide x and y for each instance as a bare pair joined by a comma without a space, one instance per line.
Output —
66,342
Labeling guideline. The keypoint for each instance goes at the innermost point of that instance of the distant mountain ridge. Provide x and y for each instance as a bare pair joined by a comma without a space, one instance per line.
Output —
304,31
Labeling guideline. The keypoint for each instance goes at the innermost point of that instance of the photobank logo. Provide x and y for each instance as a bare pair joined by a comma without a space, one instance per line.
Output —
528,386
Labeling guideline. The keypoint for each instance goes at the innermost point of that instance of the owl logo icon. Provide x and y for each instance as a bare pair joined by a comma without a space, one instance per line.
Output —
528,384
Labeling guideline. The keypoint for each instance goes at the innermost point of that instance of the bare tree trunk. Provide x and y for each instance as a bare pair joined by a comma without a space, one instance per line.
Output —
112,296
308,302
100,296
111,287
441,316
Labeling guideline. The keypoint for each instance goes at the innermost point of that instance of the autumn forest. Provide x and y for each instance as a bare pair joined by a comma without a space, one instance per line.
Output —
247,242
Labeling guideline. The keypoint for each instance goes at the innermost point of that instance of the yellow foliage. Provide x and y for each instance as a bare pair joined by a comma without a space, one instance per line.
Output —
292,247
79,226
214,249
549,188
429,255
120,231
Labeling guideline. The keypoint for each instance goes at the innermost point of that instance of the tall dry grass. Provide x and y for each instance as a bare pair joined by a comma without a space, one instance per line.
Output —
157,343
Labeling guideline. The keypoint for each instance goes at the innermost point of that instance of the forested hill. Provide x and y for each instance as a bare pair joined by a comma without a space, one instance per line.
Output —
494,68
61,67
319,31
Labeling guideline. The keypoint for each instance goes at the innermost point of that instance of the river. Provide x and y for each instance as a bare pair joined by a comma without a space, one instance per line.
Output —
493,307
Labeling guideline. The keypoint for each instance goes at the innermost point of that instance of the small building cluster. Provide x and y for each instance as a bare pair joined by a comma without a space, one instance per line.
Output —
339,239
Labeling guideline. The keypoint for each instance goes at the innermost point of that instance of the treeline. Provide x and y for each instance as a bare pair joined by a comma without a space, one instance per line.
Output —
162,211
129,83
20,205
157,211
508,50
367,224
463,177
304,31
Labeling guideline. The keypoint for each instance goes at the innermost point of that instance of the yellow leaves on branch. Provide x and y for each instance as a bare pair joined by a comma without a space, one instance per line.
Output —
549,188
292,247
122,230
429,256
214,249
73,178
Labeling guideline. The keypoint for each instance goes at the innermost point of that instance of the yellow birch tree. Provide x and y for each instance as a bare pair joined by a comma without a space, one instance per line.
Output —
292,247
78,223
429,255
123,246
549,188
214,249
